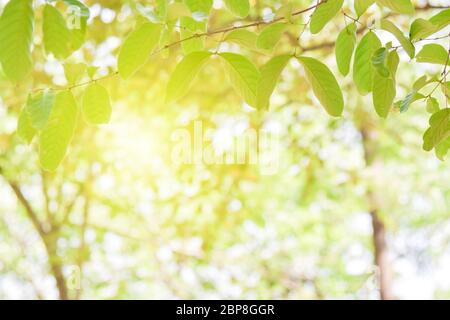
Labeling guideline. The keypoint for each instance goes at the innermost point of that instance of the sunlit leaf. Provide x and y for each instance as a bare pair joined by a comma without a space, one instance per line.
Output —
190,27
323,14
324,85
270,73
16,30
361,6
24,128
405,42
244,76
270,36
362,66
379,62
432,105
401,6
345,45
58,132
199,5
74,71
184,74
242,37
39,107
422,28
433,53
56,34
442,149
137,48
439,129
96,106
240,8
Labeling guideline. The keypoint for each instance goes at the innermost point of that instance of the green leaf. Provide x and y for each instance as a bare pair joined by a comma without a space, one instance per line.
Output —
242,37
432,105
361,6
324,85
383,94
16,32
439,129
442,148
244,76
400,6
39,107
406,44
345,45
185,73
240,8
96,104
24,128
420,83
270,36
324,13
56,34
379,62
392,63
421,28
199,5
77,22
441,19
74,71
433,53
409,99
362,66
137,48
58,132
190,27
384,90
270,73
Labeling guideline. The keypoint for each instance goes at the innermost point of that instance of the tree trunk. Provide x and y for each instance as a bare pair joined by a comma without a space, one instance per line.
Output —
380,247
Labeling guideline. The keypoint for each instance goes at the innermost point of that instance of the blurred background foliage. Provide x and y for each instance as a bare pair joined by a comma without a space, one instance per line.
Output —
119,219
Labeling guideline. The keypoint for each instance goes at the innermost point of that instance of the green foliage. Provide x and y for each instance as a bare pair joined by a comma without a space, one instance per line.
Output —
442,148
345,45
39,107
361,6
240,8
439,129
74,71
432,105
244,76
379,62
270,36
96,106
189,28
137,48
324,85
254,68
185,73
242,37
56,34
16,30
270,73
421,28
24,128
362,66
433,53
324,13
405,42
384,89
58,132
401,6
203,6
